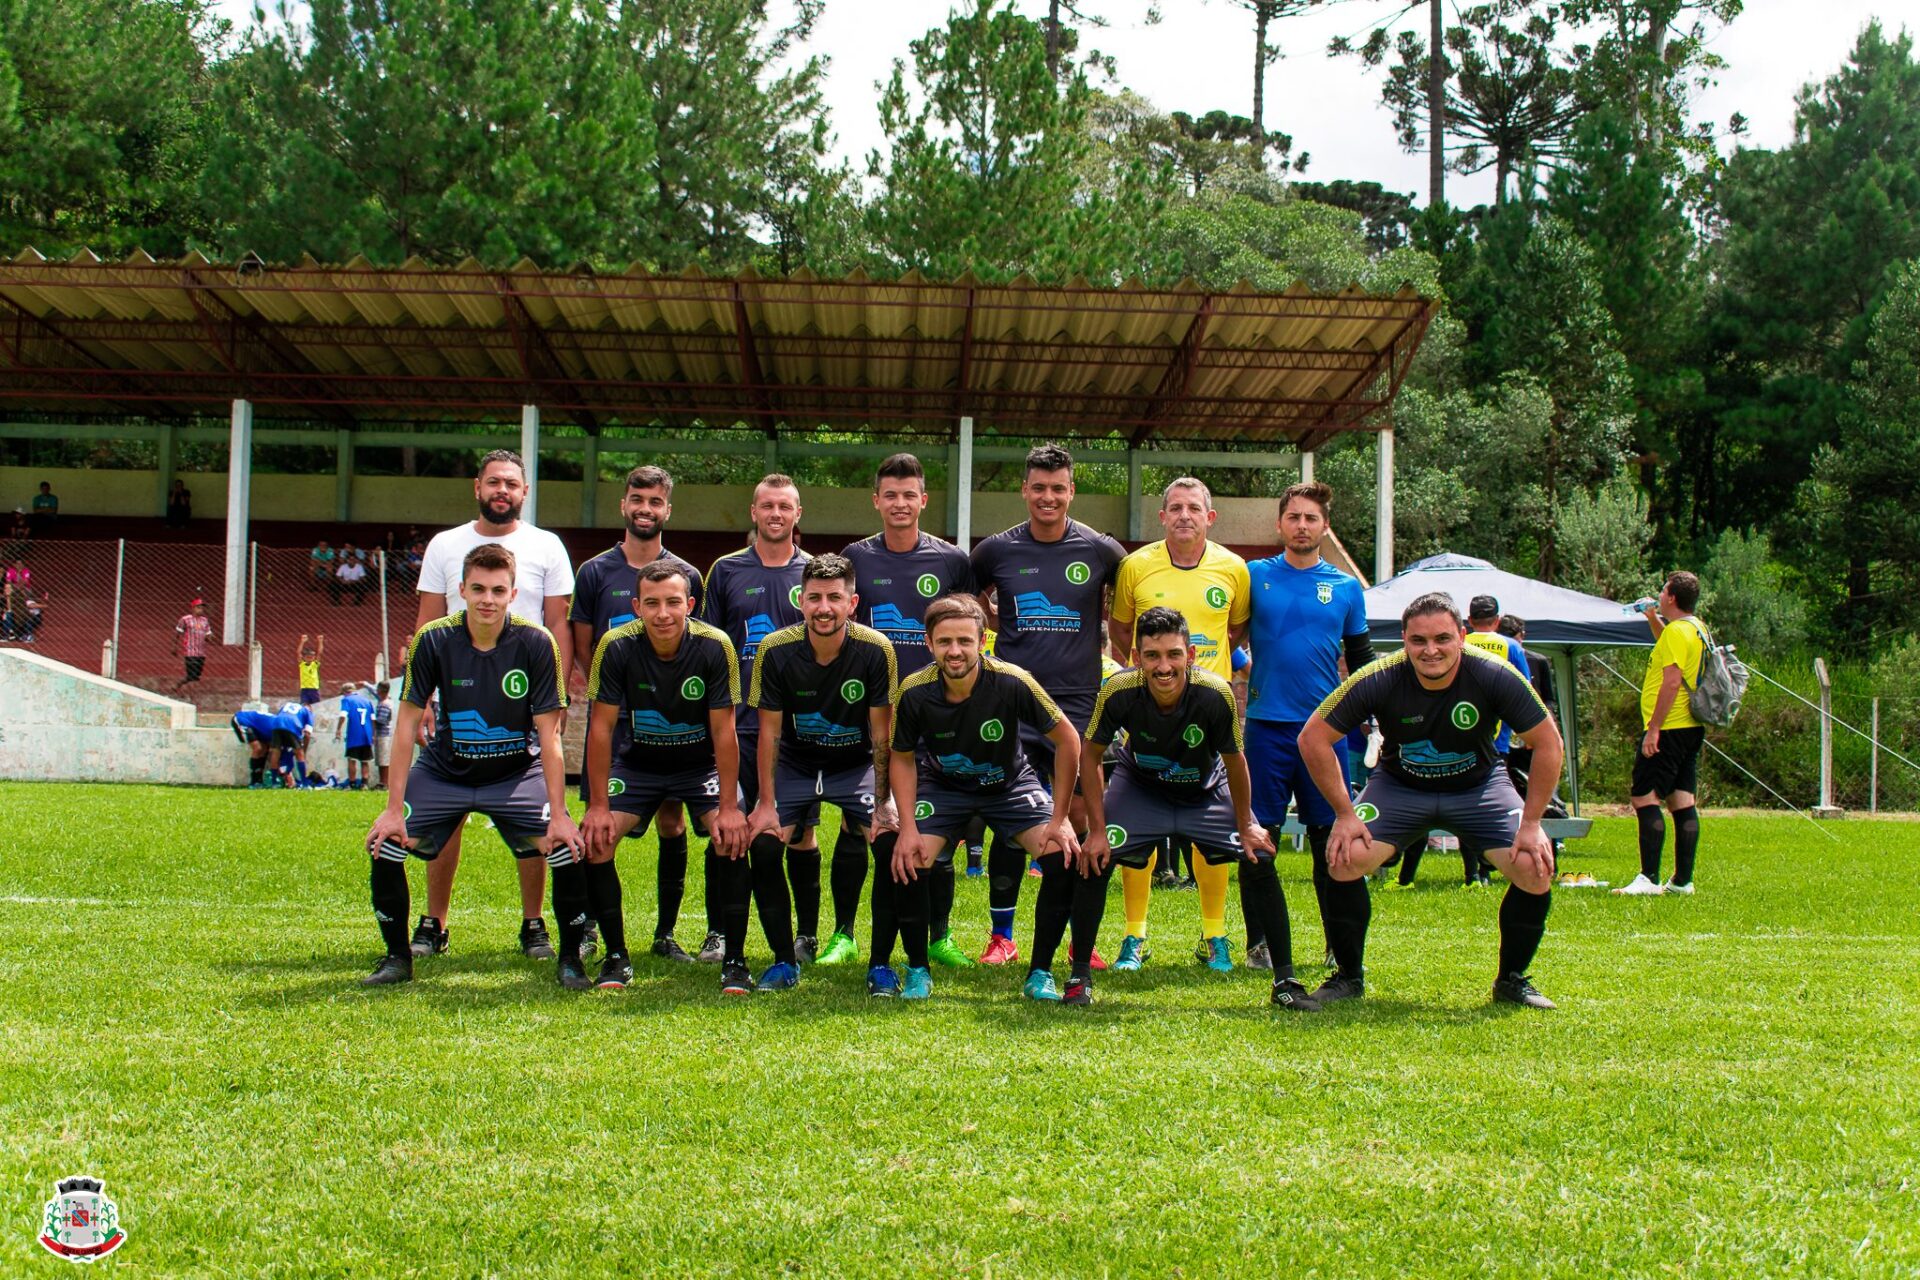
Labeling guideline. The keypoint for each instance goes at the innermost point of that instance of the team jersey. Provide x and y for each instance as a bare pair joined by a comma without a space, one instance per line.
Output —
1436,739
309,673
1050,598
294,719
750,601
483,733
665,701
261,723
895,588
604,591
358,715
1299,618
971,746
1680,646
1507,649
824,724
1176,749
1212,596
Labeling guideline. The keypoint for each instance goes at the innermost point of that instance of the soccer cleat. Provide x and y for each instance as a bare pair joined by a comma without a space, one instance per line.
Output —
805,948
1290,993
1216,954
1079,991
1040,986
1166,878
713,949
534,943
840,949
1133,954
1475,883
667,949
1000,950
429,938
918,986
615,972
1033,868
1639,887
1517,988
1340,986
573,974
734,978
779,976
1096,962
1259,956
1188,882
590,939
882,982
946,953
1395,886
390,970
1671,887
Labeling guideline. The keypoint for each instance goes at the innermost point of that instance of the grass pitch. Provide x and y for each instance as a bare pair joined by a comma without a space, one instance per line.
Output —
1729,1088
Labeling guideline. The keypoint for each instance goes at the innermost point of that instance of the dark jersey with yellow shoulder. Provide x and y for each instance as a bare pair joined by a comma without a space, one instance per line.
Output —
1175,749
824,707
488,697
664,701
971,746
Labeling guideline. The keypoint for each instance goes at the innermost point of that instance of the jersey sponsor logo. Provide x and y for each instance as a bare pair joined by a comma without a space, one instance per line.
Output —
475,739
922,809
617,620
1366,812
514,683
1324,593
1116,835
616,787
759,627
853,690
959,766
1193,735
1166,770
992,731
927,585
655,730
897,626
811,726
1078,572
1425,760
1033,611
693,688
1464,715
1217,597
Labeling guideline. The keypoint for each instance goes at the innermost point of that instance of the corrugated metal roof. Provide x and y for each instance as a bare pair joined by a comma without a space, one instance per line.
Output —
424,343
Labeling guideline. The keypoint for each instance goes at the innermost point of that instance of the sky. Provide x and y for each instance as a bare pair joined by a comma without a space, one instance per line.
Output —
1200,58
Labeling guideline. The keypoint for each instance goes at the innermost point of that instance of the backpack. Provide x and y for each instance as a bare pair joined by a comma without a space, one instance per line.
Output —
1721,684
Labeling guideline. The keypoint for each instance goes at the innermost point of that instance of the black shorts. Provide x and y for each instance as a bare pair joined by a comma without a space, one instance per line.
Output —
631,790
436,808
362,754
309,697
1484,817
1076,706
1674,767
283,740
1141,815
194,667
750,778
1020,806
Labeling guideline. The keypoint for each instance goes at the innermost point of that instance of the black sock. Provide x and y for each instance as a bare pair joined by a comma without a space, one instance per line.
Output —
766,856
256,770
886,923
1006,863
1653,834
910,912
1686,841
1345,912
603,890
391,905
1410,860
1089,905
717,882
940,900
847,876
1262,898
731,887
672,881
1052,908
1523,919
803,873
572,903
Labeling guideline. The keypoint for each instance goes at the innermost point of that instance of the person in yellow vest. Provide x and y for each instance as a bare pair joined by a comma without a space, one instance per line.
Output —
1666,768
1208,585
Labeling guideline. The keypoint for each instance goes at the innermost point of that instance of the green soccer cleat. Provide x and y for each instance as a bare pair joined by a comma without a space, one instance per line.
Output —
947,954
1040,986
840,949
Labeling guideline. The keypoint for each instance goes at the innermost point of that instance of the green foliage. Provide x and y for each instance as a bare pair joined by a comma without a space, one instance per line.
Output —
1751,596
1602,540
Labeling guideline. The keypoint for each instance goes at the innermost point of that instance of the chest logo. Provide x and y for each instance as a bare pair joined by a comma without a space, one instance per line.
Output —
927,585
853,690
514,683
1217,597
1324,593
693,688
793,595
1078,572
992,731
1464,715
1193,735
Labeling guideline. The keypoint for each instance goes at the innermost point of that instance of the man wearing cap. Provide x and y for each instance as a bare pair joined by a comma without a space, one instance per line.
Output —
190,641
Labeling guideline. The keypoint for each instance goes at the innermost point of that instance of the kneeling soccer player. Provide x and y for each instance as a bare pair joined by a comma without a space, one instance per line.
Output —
961,717
824,694
498,680
1439,703
676,682
1180,772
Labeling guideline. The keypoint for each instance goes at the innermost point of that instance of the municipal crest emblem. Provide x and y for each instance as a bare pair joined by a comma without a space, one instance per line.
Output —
1324,593
81,1224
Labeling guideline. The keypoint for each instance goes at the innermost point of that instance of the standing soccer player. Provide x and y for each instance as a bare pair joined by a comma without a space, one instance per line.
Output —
499,682
1305,616
752,593
1666,768
824,694
1207,585
957,756
356,726
604,597
675,682
898,573
543,581
1437,701
1044,586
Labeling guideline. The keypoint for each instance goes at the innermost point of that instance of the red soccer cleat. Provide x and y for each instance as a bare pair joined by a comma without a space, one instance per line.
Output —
1096,963
999,951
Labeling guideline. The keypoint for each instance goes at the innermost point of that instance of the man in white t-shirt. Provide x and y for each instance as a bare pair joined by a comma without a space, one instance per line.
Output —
543,580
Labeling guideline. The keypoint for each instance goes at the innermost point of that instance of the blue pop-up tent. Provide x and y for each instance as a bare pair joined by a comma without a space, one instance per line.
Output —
1559,622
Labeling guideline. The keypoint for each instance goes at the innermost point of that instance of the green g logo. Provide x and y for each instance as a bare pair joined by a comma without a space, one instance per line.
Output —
1365,812
853,690
1116,835
1217,597
514,683
616,787
1193,735
406,811
793,596
693,688
992,731
1464,715
923,810
928,585
1077,572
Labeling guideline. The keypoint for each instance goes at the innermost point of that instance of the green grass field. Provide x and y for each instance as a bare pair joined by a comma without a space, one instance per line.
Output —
1730,1086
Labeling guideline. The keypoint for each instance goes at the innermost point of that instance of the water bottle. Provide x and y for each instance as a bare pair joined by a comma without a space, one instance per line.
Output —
1641,605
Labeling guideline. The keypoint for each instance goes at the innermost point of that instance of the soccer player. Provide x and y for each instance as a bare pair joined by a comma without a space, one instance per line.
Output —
292,730
543,579
1044,586
1666,768
1437,701
676,683
356,724
1305,616
498,679
190,641
900,571
824,693
957,755
603,598
752,593
1207,585
1178,771
311,650
255,730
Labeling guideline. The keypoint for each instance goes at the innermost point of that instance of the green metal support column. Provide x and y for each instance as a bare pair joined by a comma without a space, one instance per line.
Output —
1136,523
590,483
343,475
163,482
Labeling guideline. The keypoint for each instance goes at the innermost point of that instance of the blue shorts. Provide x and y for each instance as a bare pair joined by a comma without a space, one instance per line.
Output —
1279,774
309,697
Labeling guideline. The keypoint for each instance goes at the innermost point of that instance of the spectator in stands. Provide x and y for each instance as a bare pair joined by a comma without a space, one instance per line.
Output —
20,533
16,582
320,566
20,619
349,576
190,641
410,562
46,508
179,506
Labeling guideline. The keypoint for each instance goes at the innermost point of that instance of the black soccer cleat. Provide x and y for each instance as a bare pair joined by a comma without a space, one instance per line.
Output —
667,949
590,939
573,974
735,980
390,970
534,942
429,938
805,948
1292,994
615,973
1340,986
1079,991
713,950
1517,988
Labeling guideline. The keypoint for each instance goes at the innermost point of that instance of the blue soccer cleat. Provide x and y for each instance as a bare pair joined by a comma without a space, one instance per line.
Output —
1133,954
882,982
1216,954
919,985
780,976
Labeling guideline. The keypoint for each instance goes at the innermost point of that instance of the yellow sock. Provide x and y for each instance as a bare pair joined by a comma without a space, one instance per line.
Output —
1136,890
1213,898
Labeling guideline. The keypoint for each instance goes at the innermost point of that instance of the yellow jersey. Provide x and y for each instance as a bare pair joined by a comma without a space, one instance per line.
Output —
309,673
1214,596
1678,646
